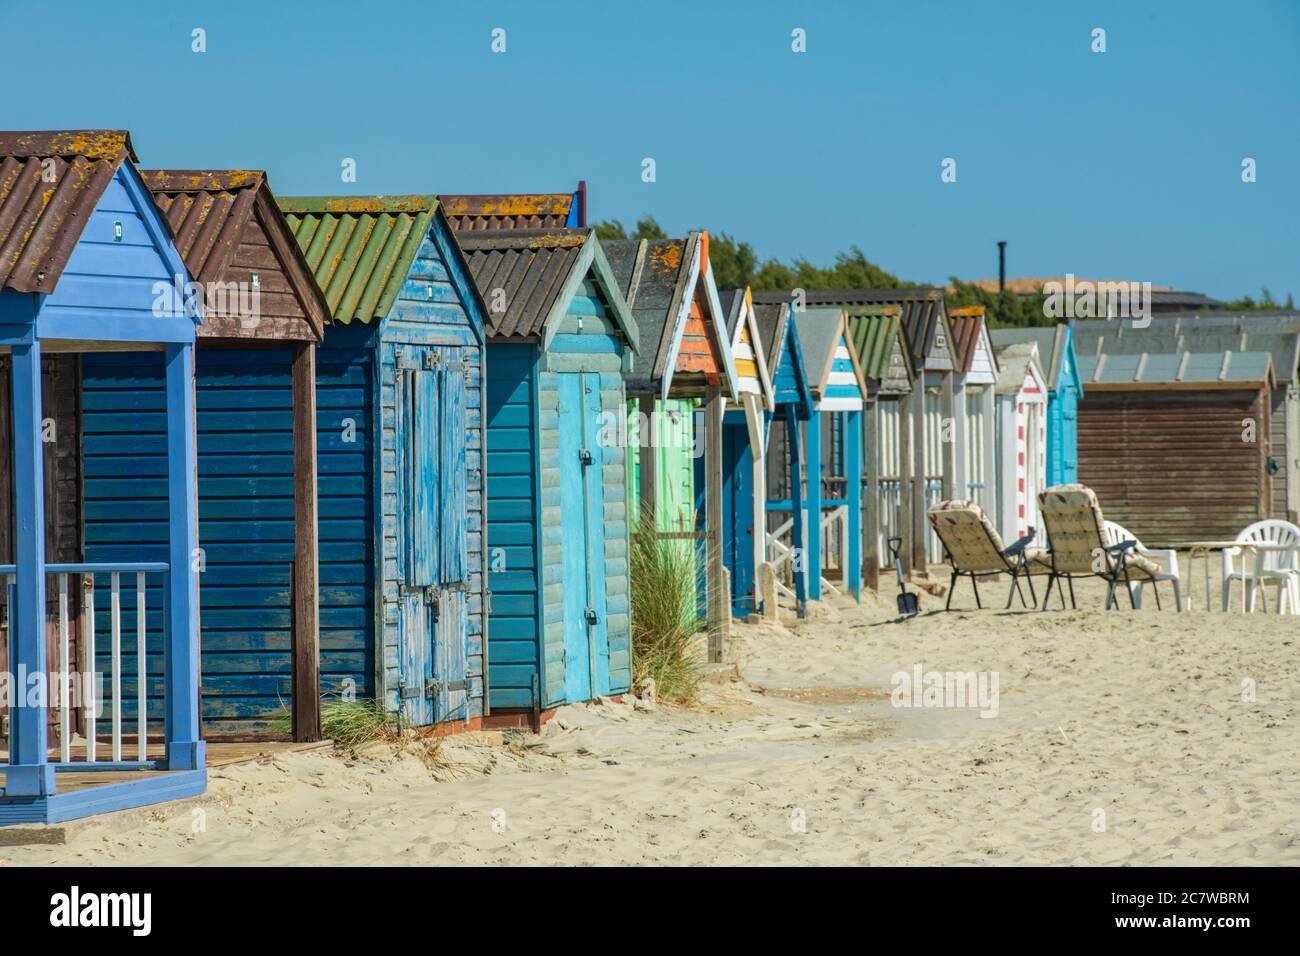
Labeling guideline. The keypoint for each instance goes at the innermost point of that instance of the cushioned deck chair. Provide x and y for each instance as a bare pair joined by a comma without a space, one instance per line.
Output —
1081,549
972,547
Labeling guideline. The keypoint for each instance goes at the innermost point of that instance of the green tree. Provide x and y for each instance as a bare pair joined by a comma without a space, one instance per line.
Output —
646,228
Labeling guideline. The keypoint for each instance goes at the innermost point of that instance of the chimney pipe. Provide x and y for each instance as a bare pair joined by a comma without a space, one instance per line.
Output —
1002,266
582,204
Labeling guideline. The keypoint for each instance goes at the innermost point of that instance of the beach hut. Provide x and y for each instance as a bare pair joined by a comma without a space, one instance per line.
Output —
399,394
935,441
559,338
1056,352
744,441
1174,432
1020,473
975,369
834,438
1274,333
254,381
876,333
683,366
89,265
786,452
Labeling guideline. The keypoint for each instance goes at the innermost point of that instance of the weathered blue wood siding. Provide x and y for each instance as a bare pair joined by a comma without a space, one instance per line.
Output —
1063,420
431,313
588,343
514,637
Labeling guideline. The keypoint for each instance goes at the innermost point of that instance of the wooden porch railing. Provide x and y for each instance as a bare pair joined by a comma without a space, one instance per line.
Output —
59,691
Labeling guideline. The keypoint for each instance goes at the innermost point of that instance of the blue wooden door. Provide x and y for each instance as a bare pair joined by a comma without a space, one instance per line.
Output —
586,639
431,509
738,512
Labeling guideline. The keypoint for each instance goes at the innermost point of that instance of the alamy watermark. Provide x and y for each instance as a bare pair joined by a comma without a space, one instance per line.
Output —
1098,300
954,690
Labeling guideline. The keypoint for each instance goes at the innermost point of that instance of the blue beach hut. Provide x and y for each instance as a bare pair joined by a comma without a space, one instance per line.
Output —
560,338
399,393
88,264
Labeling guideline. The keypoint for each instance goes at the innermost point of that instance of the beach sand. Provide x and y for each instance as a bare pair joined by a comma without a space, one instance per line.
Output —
1120,738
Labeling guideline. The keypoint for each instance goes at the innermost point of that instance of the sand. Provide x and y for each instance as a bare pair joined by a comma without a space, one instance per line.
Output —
1120,738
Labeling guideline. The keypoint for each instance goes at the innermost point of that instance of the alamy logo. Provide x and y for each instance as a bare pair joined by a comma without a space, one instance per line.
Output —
74,909
950,689
1098,300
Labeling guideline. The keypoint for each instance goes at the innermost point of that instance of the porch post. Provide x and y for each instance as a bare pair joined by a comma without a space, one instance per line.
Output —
305,597
796,512
185,751
29,772
718,599
921,467
648,458
871,525
853,468
813,557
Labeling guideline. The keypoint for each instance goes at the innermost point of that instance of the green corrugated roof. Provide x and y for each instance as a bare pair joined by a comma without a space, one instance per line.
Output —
873,332
360,248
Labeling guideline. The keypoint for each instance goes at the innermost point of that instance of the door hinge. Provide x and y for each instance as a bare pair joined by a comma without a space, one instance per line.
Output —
432,359
433,687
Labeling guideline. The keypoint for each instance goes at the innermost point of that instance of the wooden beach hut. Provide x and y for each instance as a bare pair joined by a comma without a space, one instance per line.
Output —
1060,363
1020,473
744,441
1275,333
559,339
934,440
254,381
1174,436
834,478
683,367
399,393
975,371
786,446
477,213
876,333
88,264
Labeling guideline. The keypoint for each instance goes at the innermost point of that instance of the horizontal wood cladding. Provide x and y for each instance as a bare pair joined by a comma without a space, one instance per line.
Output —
1175,467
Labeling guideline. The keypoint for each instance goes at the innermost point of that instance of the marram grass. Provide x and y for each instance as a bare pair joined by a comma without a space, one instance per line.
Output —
662,578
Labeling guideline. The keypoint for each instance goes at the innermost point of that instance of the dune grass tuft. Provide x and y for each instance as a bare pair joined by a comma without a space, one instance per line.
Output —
662,577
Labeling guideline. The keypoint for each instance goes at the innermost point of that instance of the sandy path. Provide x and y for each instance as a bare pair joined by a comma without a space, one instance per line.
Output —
1138,716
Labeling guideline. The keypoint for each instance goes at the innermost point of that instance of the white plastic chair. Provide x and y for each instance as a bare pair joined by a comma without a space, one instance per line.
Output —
1167,559
1265,567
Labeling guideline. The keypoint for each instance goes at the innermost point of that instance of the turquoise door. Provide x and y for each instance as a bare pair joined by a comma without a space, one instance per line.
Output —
582,463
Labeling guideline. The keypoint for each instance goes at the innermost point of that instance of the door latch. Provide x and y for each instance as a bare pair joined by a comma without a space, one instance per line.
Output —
584,456
592,619
433,598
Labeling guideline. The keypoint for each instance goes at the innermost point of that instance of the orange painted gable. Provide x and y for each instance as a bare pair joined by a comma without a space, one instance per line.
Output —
699,353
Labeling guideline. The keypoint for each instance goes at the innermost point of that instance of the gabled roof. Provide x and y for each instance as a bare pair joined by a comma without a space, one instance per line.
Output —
1015,363
359,248
821,334
538,272
658,279
1054,343
738,309
780,344
966,323
876,333
510,211
210,213
923,314
50,183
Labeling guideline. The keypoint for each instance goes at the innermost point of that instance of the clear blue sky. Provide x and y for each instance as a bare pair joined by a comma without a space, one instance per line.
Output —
1119,165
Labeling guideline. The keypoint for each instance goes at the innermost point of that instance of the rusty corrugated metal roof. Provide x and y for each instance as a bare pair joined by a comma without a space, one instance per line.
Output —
520,274
513,211
966,323
359,247
50,183
209,210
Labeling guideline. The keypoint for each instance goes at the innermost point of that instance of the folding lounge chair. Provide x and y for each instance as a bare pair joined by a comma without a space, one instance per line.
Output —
972,547
1080,548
